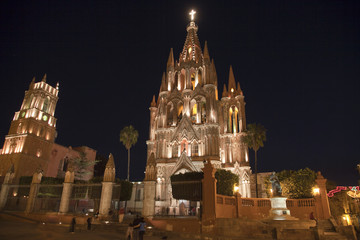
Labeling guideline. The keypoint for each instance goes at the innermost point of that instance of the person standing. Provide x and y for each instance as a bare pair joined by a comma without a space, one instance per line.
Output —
136,227
72,225
88,223
121,215
129,232
142,228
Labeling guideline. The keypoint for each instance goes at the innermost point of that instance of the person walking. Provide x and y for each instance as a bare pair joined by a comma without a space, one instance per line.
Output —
142,228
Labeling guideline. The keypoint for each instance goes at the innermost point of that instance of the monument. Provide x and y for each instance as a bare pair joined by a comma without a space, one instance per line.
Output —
278,209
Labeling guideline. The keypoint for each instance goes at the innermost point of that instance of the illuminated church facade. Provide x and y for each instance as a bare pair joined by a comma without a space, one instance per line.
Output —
189,124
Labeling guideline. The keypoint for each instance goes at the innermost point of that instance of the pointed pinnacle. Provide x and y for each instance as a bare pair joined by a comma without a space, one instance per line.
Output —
206,51
224,93
231,84
170,62
153,102
44,78
238,89
214,72
110,163
163,84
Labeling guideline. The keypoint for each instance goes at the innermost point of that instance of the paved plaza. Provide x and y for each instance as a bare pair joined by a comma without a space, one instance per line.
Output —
12,230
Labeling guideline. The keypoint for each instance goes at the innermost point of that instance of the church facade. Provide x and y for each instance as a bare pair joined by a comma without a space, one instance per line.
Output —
190,124
30,143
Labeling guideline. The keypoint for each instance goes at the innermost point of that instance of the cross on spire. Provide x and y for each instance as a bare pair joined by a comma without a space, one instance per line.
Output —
192,13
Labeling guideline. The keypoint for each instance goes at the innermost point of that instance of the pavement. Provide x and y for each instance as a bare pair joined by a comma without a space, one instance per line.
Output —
14,227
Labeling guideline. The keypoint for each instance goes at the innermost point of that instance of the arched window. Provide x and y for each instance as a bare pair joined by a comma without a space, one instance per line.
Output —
170,109
184,145
182,80
180,111
199,78
194,111
202,107
66,163
193,81
233,125
195,149
28,102
19,128
175,150
45,107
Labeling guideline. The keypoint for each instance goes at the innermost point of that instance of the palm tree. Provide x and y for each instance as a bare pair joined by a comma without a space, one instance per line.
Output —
129,136
255,138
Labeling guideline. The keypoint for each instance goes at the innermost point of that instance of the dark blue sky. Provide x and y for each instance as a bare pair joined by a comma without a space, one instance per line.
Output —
298,64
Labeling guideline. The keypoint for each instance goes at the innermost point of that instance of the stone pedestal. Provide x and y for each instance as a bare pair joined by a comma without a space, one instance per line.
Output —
279,210
34,190
149,199
65,197
106,196
6,187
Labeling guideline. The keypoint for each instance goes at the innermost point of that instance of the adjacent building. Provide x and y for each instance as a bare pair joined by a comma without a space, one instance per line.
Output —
30,142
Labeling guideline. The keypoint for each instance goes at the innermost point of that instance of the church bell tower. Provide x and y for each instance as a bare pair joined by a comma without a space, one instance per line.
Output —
32,131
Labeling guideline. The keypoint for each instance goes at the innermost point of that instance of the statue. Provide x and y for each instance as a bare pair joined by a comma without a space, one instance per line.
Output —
275,184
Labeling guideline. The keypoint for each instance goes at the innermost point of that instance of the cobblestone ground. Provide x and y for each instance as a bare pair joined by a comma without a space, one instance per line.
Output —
12,230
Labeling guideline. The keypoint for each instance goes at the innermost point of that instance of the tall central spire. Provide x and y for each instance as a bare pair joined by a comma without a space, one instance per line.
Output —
192,49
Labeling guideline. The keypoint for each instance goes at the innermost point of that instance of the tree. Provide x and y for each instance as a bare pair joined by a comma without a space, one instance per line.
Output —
296,184
100,166
254,139
225,182
128,137
82,166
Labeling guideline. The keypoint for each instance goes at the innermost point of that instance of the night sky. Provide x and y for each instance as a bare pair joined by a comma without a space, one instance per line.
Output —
298,64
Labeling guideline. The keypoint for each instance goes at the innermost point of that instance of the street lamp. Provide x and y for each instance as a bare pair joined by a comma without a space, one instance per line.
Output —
316,191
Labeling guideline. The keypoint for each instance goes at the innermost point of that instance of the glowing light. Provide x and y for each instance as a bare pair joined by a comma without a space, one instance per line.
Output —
340,188
192,13
14,194
60,223
107,222
316,191
190,49
232,90
236,188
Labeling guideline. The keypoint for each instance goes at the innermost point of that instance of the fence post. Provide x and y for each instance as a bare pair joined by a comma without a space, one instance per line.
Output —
321,200
149,187
66,192
208,197
34,189
238,203
6,186
107,187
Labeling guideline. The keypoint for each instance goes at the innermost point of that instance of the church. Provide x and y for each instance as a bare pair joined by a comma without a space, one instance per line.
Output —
30,143
190,124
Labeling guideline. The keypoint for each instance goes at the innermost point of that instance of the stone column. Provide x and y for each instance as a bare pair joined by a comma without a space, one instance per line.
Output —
208,197
149,198
107,187
34,189
6,187
321,200
106,195
66,192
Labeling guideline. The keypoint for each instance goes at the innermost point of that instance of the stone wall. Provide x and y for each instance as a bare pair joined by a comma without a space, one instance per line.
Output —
259,208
